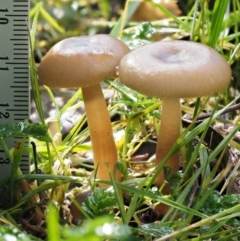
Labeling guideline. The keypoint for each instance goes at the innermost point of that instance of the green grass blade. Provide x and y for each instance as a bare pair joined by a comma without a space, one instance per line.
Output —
58,114
119,198
224,143
34,77
130,8
71,101
234,211
170,15
162,199
53,223
219,11
34,24
51,21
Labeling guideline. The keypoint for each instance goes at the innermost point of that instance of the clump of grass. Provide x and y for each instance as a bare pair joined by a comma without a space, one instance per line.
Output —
201,205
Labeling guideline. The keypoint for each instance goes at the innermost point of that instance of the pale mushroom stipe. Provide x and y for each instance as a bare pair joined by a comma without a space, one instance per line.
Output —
83,62
171,70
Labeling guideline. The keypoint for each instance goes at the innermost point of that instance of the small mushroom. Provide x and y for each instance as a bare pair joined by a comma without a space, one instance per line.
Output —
84,62
172,70
149,11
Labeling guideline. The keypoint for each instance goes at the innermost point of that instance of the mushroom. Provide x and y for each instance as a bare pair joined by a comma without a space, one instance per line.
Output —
148,11
171,70
84,62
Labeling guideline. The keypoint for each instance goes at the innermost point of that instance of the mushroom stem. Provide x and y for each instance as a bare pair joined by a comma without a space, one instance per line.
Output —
167,136
103,145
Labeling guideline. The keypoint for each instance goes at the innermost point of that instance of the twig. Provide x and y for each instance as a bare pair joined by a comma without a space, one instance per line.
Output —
206,115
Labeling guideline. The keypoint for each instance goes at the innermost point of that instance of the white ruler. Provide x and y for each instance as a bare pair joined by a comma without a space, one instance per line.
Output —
14,73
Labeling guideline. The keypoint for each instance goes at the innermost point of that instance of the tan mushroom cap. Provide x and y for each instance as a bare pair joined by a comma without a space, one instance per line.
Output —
81,61
175,69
